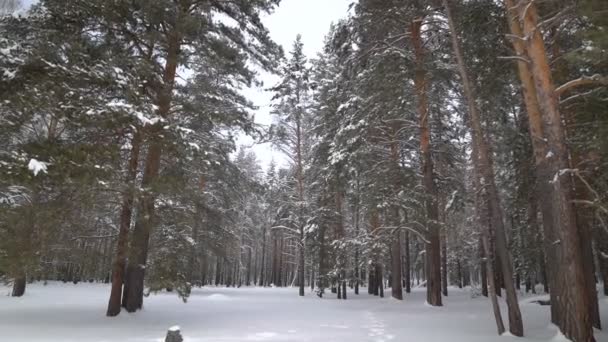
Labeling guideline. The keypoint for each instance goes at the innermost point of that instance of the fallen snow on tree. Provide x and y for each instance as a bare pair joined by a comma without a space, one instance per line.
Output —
37,166
76,313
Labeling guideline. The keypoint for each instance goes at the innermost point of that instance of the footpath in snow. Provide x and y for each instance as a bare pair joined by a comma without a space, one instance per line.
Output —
65,313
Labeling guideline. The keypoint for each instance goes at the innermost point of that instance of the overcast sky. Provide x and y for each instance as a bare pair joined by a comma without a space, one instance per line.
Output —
311,19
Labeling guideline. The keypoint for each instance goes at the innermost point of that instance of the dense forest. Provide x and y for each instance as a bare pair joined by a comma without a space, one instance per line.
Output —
430,144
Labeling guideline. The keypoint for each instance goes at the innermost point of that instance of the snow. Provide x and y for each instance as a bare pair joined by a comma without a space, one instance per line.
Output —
37,166
68,313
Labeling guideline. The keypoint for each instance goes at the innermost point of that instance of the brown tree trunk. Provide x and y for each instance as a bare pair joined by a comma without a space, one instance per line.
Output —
484,163
574,319
540,149
134,287
584,219
433,248
118,268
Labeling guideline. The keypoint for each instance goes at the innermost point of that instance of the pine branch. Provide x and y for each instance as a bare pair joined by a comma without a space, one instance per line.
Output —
596,79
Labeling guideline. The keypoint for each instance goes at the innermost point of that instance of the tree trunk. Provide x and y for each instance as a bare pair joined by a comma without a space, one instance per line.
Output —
322,260
356,216
408,280
483,268
433,247
540,149
371,284
263,262
120,262
601,246
396,285
248,276
379,281
444,264
500,326
19,284
145,222
301,263
574,319
487,173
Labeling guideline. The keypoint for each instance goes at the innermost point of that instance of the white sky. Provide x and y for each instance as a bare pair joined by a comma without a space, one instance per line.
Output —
311,19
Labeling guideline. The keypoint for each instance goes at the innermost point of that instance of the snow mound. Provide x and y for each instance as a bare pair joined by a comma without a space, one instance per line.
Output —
262,336
218,297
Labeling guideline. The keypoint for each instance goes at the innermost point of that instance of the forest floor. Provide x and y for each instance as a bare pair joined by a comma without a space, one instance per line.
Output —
66,312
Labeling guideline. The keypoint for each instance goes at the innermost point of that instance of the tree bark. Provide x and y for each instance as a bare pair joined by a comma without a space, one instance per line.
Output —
574,319
408,280
396,285
444,264
433,248
540,150
134,287
483,269
488,184
263,262
500,326
118,268
19,284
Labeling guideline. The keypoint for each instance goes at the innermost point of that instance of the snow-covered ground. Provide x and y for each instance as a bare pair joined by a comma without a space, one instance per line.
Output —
66,312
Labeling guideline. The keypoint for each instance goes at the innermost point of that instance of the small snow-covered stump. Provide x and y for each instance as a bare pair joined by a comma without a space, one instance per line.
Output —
174,335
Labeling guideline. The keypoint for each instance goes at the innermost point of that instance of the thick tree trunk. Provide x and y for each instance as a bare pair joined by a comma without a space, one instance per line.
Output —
134,287
574,319
433,248
19,284
120,262
540,149
586,247
601,245
396,285
488,185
